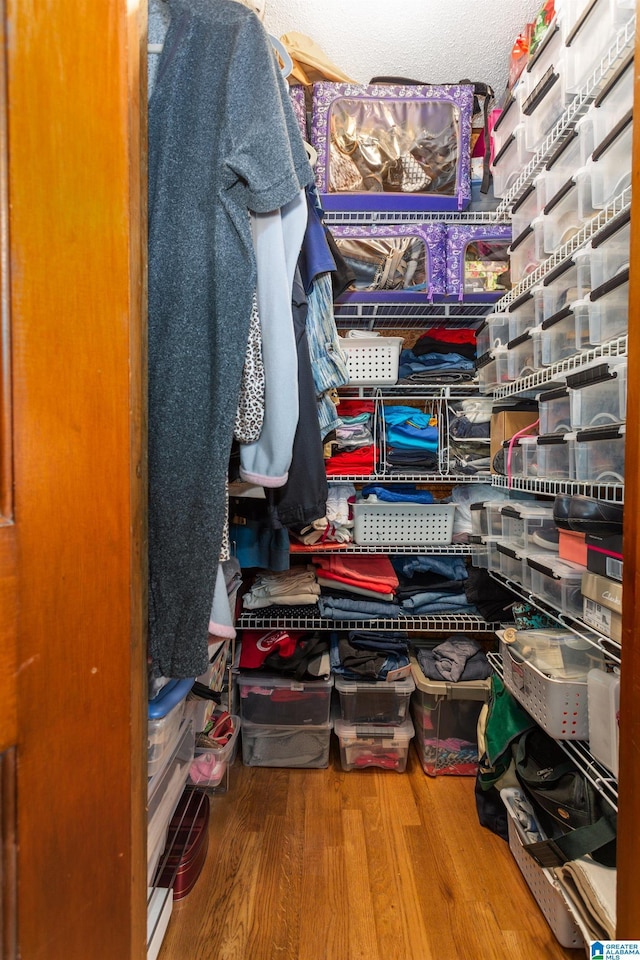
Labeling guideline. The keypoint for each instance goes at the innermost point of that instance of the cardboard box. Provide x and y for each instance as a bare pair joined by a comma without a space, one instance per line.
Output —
607,593
572,546
602,619
604,556
508,420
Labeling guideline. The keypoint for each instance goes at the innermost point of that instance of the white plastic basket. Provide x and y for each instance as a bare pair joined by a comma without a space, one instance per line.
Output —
559,706
544,888
372,360
403,523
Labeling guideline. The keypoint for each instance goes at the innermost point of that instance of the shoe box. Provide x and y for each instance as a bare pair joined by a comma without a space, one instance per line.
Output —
602,604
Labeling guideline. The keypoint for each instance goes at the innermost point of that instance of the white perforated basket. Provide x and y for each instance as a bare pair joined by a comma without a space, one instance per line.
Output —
559,706
372,360
403,523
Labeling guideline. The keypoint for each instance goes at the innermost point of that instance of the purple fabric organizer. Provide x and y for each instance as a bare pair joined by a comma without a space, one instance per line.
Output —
463,281
387,147
425,281
296,92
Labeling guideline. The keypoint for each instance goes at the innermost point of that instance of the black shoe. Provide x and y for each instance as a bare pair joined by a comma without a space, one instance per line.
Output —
561,511
597,517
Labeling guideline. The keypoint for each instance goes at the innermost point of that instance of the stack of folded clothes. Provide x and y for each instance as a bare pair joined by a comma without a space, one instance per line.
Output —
411,440
440,356
456,659
367,655
337,526
294,587
354,451
469,435
429,585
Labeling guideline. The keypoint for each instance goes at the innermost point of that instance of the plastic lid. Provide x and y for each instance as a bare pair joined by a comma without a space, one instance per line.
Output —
406,685
278,682
402,732
173,693
462,690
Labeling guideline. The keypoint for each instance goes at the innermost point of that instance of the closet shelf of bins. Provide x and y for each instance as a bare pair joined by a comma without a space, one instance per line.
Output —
618,206
611,492
622,45
578,750
611,648
556,374
445,623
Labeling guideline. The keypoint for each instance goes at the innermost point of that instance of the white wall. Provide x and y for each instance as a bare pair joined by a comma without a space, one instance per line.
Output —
438,41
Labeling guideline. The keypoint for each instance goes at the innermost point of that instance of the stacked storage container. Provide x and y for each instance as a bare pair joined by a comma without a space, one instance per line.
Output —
373,725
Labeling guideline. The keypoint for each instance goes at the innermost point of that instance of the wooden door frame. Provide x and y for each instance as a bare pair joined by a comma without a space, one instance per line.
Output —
77,224
628,890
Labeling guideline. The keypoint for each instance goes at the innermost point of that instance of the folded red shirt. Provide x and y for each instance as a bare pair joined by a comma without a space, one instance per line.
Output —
359,462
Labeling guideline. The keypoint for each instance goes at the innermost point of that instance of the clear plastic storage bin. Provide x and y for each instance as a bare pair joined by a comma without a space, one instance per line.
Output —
494,332
563,217
566,283
599,455
445,717
562,164
285,746
523,312
208,770
610,249
589,29
555,456
486,518
523,355
612,103
598,395
165,714
365,745
510,117
544,106
548,53
609,309
558,337
375,702
526,208
526,251
526,525
610,165
281,700
557,582
509,162
164,789
554,411
512,563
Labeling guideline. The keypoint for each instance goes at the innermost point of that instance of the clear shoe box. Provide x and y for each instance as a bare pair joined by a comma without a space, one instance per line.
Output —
526,208
525,312
609,250
610,165
599,455
568,157
566,283
558,337
589,29
486,519
513,564
558,582
598,395
509,118
510,161
526,251
555,411
523,355
563,217
525,523
494,332
544,105
609,309
612,103
549,53
555,456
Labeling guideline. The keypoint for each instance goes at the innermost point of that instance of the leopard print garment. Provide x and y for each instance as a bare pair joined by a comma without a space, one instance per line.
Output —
250,412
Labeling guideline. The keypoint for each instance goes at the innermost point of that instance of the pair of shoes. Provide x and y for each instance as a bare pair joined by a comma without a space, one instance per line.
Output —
587,515
546,537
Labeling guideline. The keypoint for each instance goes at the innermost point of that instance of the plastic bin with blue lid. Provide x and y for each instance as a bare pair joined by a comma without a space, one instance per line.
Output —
165,712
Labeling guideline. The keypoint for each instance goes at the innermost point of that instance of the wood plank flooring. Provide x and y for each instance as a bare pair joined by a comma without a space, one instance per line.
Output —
364,865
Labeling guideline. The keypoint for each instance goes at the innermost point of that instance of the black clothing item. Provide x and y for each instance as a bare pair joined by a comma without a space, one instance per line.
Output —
343,276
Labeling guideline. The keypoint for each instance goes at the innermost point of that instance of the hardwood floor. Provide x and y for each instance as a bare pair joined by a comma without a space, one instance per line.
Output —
365,865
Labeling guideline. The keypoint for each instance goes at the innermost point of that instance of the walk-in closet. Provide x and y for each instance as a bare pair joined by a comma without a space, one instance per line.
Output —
319,423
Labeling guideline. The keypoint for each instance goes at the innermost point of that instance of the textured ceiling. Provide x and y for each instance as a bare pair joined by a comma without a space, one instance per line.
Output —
438,41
